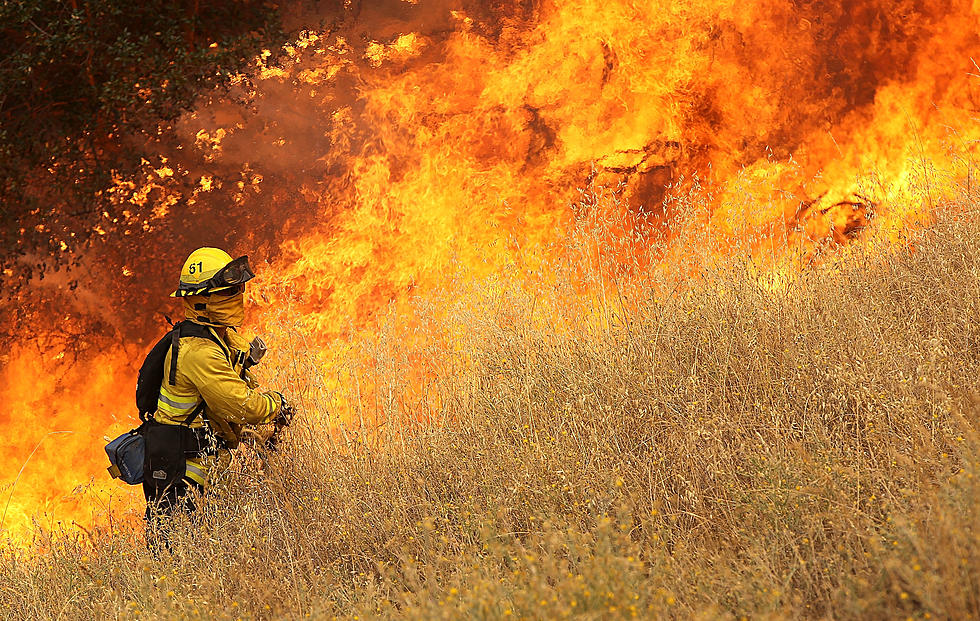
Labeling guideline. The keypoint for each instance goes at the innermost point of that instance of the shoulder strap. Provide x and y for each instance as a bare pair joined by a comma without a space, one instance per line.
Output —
189,328
174,347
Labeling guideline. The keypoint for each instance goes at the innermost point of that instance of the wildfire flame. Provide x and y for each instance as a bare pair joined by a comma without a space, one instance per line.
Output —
373,159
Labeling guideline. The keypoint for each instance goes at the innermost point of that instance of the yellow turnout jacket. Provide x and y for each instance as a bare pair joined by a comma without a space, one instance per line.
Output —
212,372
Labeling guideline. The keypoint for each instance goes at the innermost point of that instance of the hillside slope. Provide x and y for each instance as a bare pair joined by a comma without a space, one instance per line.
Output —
723,450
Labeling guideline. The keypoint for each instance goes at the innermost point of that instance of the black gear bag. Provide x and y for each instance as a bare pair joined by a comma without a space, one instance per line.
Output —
167,448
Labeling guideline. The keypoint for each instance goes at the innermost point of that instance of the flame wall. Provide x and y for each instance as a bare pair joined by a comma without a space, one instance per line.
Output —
408,138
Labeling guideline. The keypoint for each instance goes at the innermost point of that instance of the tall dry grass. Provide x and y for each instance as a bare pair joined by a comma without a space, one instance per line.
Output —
688,444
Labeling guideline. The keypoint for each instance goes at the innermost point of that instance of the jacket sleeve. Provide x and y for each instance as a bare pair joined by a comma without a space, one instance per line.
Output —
226,394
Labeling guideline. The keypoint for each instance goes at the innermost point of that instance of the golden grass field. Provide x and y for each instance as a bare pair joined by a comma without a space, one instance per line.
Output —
700,448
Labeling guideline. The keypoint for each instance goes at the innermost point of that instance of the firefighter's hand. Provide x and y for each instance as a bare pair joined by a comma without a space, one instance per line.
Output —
256,351
285,413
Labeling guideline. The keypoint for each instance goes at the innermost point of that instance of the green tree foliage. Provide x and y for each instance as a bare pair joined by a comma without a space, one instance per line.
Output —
79,81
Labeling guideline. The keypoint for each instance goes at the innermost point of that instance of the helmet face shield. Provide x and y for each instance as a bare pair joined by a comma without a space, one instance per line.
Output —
232,276
237,272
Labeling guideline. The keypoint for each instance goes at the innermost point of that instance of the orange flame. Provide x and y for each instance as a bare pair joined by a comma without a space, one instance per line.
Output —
55,416
399,150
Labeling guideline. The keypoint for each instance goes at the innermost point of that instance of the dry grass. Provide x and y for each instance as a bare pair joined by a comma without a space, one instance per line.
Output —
717,450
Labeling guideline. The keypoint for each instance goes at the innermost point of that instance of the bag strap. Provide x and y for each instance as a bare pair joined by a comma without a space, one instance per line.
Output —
194,413
189,328
174,348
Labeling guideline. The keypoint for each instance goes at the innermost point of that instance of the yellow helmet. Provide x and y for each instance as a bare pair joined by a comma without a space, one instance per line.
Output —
211,269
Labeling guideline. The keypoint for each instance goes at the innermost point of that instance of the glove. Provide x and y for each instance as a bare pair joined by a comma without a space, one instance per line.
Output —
284,416
285,413
256,351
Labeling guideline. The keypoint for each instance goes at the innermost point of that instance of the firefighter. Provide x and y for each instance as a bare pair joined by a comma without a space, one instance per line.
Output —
207,394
